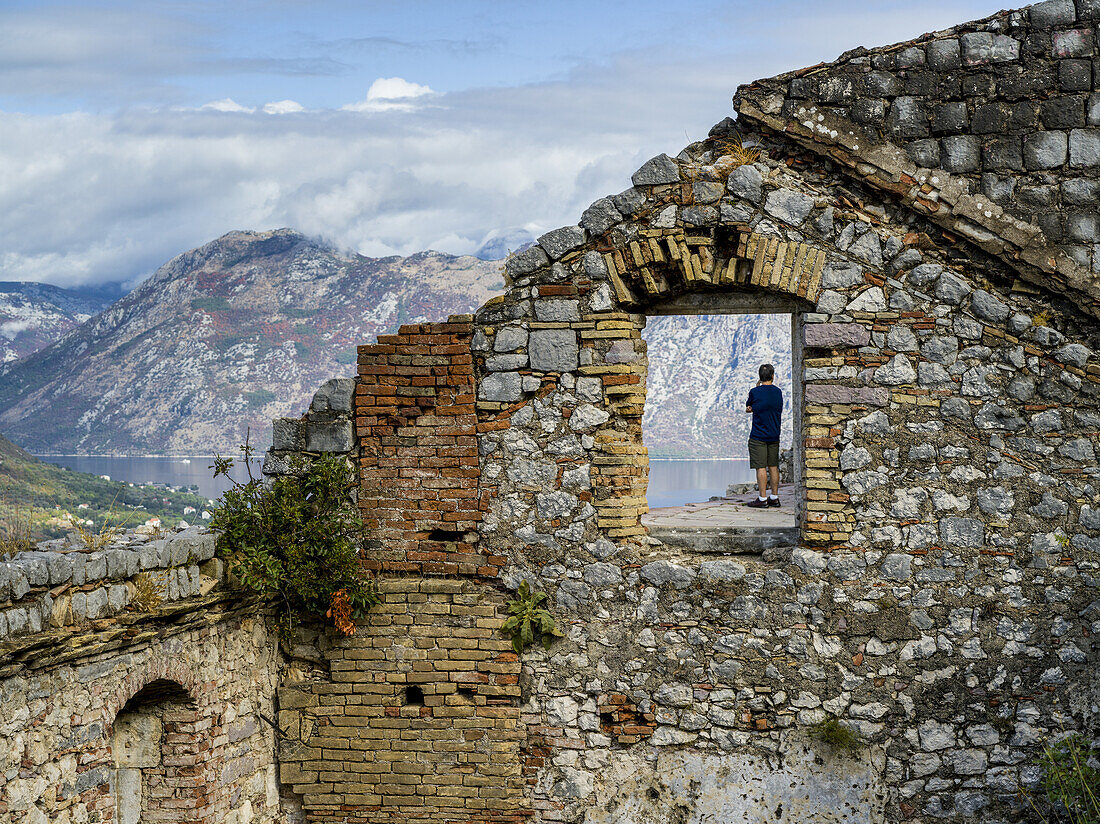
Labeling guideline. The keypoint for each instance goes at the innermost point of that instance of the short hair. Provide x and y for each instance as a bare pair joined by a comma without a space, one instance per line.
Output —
767,372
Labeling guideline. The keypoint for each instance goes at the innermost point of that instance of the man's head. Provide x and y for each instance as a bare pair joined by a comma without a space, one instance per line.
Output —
767,373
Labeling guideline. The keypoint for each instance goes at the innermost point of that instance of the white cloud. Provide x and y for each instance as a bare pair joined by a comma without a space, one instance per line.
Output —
390,94
88,198
226,104
283,107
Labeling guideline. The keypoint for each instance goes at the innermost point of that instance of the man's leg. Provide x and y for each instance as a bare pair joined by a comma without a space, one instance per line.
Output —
762,481
774,472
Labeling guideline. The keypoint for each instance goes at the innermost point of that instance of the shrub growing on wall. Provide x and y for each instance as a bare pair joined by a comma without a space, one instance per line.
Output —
296,542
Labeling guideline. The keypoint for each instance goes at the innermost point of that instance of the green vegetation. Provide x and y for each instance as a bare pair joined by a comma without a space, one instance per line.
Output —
303,329
297,542
1070,784
836,735
39,500
301,349
347,356
296,312
210,304
529,619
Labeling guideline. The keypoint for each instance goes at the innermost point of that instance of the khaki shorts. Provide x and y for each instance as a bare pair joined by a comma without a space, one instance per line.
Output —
763,455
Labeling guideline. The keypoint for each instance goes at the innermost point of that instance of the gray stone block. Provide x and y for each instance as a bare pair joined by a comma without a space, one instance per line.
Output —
1052,13
501,387
562,241
630,201
335,395
987,307
961,153
526,262
505,363
1075,75
118,596
557,310
509,339
1084,147
746,182
789,206
657,171
600,216
966,533
553,350
699,215
96,604
944,54
951,289
1045,150
836,335
832,393
329,436
907,118
925,152
1083,226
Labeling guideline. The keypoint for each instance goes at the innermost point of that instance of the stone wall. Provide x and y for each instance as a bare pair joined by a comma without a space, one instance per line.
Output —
62,759
991,128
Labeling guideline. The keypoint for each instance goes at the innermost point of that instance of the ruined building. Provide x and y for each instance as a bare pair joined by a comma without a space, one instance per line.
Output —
927,213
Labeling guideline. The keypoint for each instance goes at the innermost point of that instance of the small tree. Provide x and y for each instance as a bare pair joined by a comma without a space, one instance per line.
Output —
296,541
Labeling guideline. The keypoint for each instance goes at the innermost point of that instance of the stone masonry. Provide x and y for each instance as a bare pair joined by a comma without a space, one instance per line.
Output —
923,211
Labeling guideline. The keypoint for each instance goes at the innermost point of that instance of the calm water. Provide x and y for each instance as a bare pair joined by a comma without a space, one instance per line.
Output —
172,471
670,482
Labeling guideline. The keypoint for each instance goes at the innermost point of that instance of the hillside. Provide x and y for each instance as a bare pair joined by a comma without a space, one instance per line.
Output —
222,339
34,315
38,498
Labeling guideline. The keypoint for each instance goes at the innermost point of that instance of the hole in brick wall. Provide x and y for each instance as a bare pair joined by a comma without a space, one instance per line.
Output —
467,692
446,535
414,696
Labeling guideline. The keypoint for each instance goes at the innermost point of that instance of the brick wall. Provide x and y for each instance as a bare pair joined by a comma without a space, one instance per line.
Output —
419,719
417,429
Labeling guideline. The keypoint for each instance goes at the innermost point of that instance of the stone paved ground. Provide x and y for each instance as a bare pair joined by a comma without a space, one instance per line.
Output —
726,513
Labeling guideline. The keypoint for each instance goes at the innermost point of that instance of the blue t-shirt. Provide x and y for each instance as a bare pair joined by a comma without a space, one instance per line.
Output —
767,408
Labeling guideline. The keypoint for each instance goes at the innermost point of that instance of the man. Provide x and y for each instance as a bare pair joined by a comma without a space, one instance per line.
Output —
765,403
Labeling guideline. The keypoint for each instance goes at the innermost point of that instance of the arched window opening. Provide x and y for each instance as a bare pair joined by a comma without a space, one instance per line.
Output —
157,748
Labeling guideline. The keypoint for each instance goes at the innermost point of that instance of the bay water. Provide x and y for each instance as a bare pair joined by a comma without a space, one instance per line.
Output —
671,483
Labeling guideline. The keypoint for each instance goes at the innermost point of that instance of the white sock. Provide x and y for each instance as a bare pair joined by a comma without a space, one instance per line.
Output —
774,497
761,499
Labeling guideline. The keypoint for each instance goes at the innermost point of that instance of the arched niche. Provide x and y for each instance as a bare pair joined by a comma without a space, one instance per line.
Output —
156,748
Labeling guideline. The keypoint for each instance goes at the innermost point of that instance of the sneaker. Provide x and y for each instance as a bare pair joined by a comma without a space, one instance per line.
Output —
773,502
756,503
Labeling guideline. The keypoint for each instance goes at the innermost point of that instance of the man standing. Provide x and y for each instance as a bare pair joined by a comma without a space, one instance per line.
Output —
766,405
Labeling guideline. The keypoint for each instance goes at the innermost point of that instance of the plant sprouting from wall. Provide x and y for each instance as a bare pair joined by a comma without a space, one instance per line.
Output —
296,541
529,620
836,735
1070,784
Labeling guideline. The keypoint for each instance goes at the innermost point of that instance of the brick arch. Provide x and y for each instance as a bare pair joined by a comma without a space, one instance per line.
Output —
162,668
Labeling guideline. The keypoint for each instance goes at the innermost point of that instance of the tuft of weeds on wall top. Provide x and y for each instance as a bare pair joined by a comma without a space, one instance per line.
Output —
96,538
837,736
296,541
148,593
529,620
15,532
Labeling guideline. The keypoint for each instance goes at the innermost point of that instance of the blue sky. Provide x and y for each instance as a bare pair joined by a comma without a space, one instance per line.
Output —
132,131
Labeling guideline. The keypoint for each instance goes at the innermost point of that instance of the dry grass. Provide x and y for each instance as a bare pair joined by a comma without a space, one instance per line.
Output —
15,532
733,152
148,593
95,538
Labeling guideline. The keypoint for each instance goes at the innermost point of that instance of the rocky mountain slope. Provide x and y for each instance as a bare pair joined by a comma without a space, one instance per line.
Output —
220,340
701,369
225,337
34,315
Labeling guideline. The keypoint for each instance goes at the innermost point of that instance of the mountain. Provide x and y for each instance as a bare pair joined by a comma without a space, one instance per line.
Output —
701,369
34,315
37,500
222,339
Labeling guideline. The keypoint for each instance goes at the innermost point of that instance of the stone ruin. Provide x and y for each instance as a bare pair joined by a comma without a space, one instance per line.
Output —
927,212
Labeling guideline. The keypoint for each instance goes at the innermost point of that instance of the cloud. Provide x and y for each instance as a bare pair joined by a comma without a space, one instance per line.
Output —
107,197
226,104
390,93
283,107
